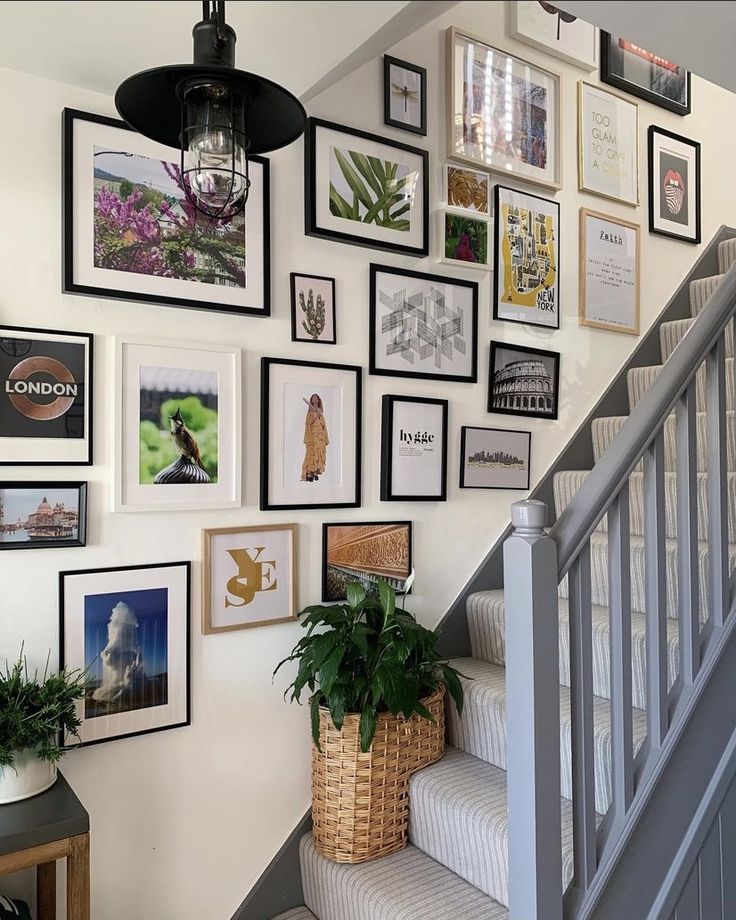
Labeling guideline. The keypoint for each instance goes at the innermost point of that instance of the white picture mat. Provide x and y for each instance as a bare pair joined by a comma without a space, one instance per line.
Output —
266,605
289,385
457,298
611,282
608,144
86,136
303,283
490,440
55,450
416,468
128,493
325,140
78,586
578,42
404,76
664,144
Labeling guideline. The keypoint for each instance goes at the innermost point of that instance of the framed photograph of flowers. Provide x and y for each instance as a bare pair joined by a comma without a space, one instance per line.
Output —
527,259
404,95
523,381
467,190
464,240
313,309
128,627
177,427
46,397
366,190
248,577
633,69
494,458
310,435
365,553
504,112
423,325
36,515
413,449
608,144
674,185
131,233
546,27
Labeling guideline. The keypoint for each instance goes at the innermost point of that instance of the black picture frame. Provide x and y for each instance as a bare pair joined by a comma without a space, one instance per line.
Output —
265,501
463,441
653,184
497,234
327,596
43,487
70,286
435,279
608,75
87,338
388,63
294,316
554,356
187,566
311,226
388,493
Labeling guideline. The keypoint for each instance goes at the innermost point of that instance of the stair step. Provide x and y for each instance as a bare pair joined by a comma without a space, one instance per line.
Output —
639,379
599,574
672,333
298,913
604,430
486,624
481,731
726,254
459,817
567,483
406,886
701,290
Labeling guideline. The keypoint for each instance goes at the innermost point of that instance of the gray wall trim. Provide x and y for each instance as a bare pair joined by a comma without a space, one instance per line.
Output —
698,831
578,454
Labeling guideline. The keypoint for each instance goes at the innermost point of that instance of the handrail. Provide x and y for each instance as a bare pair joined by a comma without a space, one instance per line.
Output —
577,522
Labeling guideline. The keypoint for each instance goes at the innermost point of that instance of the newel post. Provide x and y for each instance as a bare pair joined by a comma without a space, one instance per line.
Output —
533,716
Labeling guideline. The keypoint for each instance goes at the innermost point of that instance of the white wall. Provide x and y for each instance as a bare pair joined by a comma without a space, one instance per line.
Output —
183,822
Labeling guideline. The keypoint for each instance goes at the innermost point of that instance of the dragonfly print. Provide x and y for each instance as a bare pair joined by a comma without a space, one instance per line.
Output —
408,95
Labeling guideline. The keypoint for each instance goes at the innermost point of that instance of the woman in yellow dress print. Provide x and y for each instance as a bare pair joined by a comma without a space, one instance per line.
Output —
316,440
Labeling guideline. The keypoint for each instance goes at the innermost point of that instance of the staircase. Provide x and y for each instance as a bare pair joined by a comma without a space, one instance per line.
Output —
457,864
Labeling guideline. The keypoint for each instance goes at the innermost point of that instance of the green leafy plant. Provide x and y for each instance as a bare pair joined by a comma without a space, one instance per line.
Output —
314,325
35,712
379,197
367,656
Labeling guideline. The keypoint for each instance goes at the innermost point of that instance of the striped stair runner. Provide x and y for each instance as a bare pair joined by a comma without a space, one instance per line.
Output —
456,867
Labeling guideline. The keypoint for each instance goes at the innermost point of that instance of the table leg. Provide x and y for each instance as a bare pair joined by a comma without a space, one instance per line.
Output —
77,878
46,891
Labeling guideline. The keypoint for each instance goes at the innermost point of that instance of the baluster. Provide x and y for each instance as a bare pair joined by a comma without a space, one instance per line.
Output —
687,536
656,593
533,716
717,484
581,703
619,604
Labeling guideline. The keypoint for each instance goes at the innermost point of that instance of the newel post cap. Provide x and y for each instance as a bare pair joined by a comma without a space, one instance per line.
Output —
529,516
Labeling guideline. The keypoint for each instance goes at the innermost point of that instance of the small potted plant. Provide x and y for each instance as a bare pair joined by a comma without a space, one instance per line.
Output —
35,713
377,690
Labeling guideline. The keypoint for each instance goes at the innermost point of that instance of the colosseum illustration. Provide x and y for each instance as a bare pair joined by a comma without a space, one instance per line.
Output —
523,384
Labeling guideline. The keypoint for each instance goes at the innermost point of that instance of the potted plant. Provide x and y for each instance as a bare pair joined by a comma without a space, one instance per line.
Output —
35,714
377,690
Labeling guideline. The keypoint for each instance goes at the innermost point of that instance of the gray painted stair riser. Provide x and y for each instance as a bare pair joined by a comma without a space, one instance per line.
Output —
600,581
566,485
639,379
459,817
487,638
481,731
671,334
406,886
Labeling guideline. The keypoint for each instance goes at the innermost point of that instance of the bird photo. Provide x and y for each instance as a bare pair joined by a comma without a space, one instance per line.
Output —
184,439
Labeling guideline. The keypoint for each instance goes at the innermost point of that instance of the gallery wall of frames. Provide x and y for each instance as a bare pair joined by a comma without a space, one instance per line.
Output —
206,426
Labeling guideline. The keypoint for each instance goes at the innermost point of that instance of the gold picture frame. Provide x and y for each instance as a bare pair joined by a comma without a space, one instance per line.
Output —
549,176
247,576
606,263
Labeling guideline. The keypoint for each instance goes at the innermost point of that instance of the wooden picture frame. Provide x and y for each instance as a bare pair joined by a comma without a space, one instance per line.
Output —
414,450
674,193
392,63
323,284
390,531
252,572
608,249
46,518
505,399
595,140
613,57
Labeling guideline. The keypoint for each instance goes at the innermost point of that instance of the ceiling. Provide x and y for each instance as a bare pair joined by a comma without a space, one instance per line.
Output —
97,44
699,35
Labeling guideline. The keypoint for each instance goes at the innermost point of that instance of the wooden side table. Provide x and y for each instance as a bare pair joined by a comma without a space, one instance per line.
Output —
37,832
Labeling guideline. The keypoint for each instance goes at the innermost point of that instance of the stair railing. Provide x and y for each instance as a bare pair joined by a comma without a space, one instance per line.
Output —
535,562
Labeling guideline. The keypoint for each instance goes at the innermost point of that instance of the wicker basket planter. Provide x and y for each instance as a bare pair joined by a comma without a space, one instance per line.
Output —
360,802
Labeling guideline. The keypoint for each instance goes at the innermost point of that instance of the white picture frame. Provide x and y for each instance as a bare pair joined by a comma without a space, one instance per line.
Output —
146,371
466,190
608,144
461,232
576,42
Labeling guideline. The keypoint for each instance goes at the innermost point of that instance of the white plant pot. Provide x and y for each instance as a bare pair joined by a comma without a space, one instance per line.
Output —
27,777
